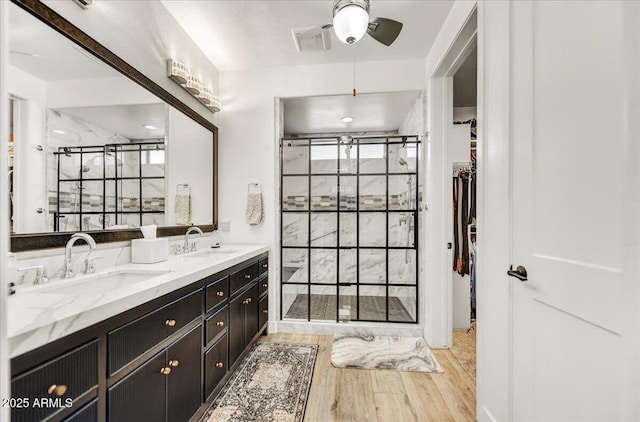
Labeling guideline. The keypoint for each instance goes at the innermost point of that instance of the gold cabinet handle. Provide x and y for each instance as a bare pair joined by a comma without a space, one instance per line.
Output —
265,266
220,294
57,390
165,371
248,300
266,311
245,302
219,365
265,285
220,323
247,276
174,363
170,323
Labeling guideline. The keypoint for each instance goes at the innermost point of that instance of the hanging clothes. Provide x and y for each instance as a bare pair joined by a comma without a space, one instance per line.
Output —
464,214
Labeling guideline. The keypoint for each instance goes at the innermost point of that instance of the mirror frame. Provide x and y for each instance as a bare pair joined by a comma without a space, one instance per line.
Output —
34,241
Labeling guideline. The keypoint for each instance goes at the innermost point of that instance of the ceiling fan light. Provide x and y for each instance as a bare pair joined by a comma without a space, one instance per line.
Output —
350,23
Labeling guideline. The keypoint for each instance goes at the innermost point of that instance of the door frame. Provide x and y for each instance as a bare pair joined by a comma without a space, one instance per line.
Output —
493,202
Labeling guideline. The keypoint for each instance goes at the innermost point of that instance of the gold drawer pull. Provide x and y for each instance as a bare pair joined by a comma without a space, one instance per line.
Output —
57,390
247,276
170,323
265,285
265,266
248,300
219,365
221,294
265,311
174,363
165,371
245,302
220,323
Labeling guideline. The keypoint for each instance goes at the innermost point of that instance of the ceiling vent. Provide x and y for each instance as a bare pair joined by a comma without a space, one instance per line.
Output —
315,42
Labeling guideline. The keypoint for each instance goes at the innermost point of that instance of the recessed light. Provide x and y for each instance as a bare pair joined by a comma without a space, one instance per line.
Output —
150,127
347,119
58,131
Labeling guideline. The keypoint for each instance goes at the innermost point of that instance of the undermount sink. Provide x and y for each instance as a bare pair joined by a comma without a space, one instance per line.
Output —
100,282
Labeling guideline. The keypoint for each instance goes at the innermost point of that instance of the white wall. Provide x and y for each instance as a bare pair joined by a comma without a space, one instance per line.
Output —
188,160
117,90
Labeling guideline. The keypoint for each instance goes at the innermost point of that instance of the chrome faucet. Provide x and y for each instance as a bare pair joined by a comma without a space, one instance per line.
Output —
68,272
185,247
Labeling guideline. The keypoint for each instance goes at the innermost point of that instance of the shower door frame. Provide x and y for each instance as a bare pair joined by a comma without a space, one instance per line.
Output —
415,209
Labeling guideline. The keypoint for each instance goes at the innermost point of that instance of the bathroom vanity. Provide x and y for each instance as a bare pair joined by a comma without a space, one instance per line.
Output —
158,349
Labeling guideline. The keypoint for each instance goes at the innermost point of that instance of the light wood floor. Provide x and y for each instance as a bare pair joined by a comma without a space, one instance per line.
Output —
375,395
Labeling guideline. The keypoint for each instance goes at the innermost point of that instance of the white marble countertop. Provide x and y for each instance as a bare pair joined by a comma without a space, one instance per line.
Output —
36,318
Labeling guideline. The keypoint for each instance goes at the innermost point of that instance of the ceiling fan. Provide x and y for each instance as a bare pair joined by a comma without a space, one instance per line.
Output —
351,21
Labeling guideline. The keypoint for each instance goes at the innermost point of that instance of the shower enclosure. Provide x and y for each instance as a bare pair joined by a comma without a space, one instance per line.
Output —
349,225
98,187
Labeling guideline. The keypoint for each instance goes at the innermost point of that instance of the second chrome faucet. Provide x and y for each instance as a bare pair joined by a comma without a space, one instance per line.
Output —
88,267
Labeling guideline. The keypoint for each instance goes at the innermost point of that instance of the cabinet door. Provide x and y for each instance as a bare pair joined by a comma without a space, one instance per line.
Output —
236,328
184,357
215,364
140,396
263,312
251,315
88,413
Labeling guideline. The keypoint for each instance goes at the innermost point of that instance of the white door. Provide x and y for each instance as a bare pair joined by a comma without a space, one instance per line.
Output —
575,210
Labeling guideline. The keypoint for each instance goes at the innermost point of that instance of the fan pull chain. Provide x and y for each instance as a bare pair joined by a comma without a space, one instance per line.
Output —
354,72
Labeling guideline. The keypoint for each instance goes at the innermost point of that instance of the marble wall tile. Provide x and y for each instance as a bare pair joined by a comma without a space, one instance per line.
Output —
348,229
295,192
324,266
324,229
373,266
373,229
295,157
295,229
402,266
348,266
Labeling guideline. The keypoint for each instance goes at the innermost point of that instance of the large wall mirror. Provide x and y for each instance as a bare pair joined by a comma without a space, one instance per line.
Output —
94,145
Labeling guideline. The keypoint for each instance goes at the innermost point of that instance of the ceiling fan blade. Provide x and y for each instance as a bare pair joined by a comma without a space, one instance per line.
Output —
315,31
384,30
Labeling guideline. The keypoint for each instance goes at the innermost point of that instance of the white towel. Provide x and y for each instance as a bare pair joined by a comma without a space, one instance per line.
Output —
254,209
183,210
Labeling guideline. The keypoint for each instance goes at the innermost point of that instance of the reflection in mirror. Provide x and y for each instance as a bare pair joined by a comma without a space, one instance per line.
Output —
89,148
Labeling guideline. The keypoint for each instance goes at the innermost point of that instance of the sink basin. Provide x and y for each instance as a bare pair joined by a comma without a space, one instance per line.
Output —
99,283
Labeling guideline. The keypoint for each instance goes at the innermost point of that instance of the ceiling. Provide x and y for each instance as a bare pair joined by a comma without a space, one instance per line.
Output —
370,112
238,35
247,34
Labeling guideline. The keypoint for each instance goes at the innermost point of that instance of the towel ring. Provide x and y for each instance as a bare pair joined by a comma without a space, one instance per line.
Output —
254,188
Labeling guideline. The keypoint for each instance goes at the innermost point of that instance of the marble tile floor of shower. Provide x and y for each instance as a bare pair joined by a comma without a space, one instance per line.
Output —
339,394
324,307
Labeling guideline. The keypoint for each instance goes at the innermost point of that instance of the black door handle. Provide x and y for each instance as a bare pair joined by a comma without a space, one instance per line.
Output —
520,273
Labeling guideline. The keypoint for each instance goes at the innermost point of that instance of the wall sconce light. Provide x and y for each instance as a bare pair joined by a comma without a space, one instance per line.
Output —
180,74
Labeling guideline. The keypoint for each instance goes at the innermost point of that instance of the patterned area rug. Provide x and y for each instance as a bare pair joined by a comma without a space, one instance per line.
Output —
271,384
381,352
372,308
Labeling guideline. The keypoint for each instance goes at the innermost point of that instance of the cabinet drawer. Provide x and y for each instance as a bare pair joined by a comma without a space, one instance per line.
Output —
263,286
215,365
89,413
240,278
264,265
132,340
216,293
263,312
216,323
70,375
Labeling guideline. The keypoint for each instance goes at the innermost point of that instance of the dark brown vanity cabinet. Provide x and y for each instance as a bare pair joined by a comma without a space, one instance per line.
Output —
243,316
165,388
163,360
55,385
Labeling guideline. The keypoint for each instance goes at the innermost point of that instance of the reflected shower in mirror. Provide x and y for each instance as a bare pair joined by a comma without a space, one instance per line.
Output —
90,149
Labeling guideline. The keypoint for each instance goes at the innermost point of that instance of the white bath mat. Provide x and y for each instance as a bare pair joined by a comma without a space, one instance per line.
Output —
383,352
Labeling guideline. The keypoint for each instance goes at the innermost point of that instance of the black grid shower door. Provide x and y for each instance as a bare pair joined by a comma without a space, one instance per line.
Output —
105,185
349,224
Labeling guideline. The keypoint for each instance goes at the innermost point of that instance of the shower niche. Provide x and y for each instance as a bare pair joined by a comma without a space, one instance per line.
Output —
349,224
107,186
